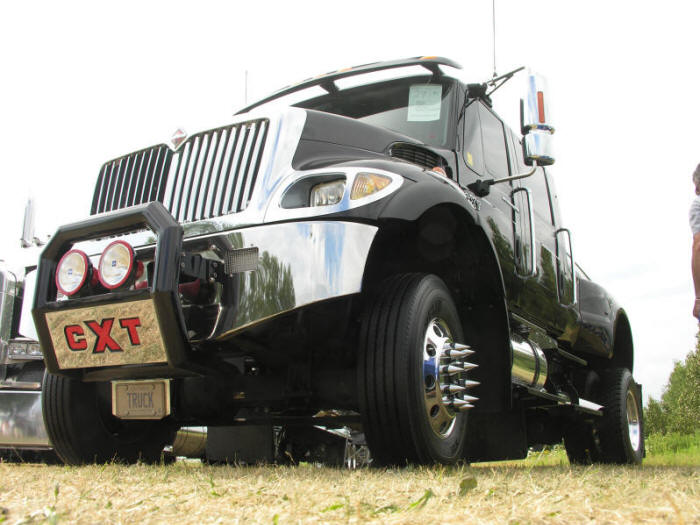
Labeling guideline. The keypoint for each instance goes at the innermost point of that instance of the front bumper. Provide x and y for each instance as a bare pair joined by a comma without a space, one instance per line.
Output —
296,264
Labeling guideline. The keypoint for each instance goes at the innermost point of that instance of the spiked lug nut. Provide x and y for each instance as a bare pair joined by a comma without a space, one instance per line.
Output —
456,354
470,399
451,370
468,383
456,350
460,404
469,366
452,389
455,346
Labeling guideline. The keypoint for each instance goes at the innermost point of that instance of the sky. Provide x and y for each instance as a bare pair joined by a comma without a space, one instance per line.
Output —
84,82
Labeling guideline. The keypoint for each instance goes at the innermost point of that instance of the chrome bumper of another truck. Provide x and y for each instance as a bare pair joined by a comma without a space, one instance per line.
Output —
21,420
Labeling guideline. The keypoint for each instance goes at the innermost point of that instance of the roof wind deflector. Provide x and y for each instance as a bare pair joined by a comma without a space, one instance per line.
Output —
327,81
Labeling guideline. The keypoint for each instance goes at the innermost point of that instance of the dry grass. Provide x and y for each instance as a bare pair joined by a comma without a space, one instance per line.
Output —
194,493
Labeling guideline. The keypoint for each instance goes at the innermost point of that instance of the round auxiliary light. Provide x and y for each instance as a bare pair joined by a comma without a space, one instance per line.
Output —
116,264
72,272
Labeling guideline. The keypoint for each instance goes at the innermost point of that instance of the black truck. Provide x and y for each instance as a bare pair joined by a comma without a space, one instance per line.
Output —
371,253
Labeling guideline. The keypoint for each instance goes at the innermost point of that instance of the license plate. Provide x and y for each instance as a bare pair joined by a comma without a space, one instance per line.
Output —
107,335
141,399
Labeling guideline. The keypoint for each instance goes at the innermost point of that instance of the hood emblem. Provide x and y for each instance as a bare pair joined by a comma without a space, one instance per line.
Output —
177,139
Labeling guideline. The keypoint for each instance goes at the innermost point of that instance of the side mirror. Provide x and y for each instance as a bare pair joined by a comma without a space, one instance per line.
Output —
536,130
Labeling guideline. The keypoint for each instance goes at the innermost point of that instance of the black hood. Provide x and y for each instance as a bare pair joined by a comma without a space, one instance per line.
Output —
330,139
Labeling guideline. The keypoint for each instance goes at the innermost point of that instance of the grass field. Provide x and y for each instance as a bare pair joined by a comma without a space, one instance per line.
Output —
542,489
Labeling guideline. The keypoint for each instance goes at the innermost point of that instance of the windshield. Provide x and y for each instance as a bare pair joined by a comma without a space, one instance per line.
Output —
420,107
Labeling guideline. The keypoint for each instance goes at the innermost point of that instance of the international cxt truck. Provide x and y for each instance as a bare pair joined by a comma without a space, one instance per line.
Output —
370,253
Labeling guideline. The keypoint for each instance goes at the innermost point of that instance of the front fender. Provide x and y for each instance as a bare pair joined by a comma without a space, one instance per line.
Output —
428,191
299,263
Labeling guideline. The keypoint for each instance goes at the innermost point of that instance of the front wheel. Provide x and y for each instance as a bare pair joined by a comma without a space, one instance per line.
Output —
412,374
82,429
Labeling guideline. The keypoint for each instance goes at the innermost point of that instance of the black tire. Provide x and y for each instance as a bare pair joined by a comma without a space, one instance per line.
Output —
82,430
390,372
621,431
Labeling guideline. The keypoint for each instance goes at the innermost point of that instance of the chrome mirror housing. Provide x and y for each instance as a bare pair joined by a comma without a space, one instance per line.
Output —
534,122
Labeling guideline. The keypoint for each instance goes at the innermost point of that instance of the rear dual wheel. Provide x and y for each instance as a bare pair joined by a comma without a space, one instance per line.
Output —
82,429
616,437
413,405
621,431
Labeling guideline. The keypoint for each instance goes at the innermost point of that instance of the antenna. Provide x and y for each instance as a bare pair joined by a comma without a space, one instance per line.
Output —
493,19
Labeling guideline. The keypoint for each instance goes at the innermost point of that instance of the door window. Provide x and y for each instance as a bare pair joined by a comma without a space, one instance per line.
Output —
495,155
473,152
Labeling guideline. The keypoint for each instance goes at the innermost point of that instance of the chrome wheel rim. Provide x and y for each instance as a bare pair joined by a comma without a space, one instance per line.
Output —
444,382
633,422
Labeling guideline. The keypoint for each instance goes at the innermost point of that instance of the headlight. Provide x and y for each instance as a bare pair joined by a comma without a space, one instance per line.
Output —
22,349
116,264
368,183
320,192
327,193
72,272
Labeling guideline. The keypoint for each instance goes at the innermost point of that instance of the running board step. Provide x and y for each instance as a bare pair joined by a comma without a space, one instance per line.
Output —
564,403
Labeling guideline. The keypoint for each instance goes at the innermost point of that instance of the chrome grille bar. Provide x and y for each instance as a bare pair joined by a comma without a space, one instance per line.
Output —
212,174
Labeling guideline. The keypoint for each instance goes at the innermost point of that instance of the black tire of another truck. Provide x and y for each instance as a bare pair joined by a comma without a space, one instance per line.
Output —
82,429
621,430
405,329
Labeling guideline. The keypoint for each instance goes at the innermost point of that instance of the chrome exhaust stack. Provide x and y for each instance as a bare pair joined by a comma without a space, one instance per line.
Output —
529,367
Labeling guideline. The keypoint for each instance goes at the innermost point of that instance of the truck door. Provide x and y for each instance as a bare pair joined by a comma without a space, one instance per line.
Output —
538,299
567,285
547,290
485,155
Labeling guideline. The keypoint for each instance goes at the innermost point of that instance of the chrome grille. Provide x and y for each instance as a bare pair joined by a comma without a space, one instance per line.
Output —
212,174
132,179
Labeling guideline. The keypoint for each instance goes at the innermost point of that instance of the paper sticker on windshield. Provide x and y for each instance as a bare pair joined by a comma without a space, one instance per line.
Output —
424,102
